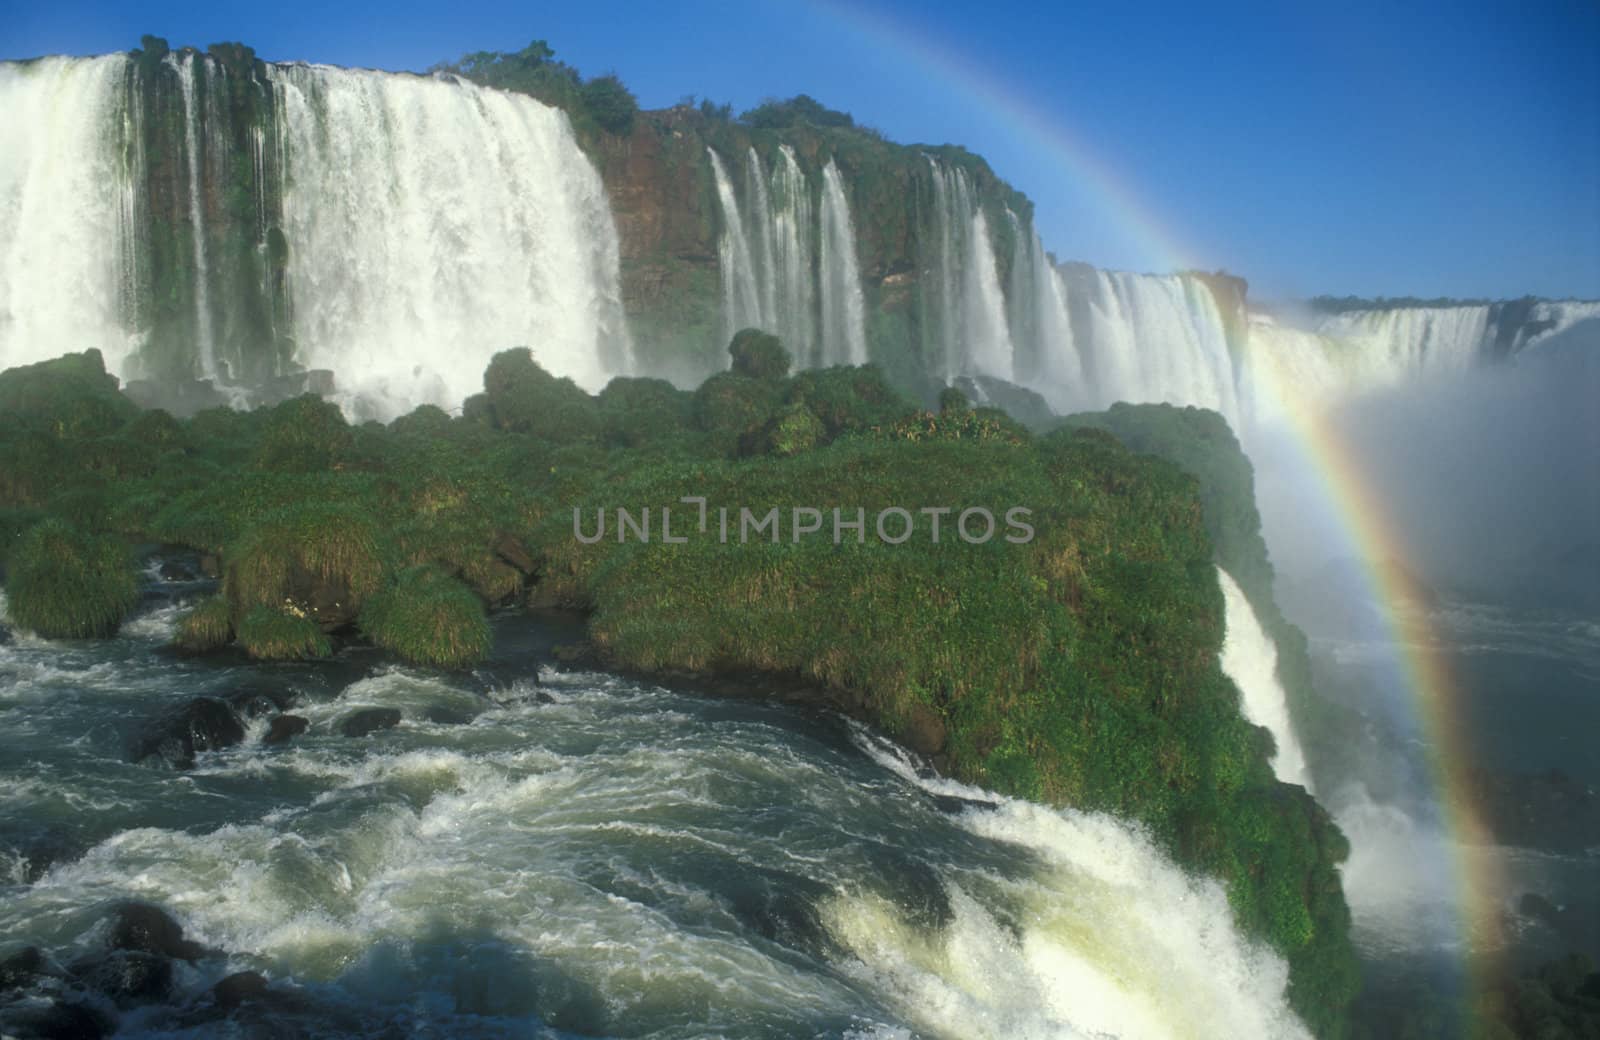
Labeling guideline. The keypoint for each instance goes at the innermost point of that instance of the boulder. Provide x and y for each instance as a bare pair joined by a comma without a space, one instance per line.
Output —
238,988
143,928
126,976
284,727
370,720
202,724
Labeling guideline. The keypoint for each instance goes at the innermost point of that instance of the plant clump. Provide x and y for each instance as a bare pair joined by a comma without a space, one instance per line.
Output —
65,584
270,634
208,626
428,618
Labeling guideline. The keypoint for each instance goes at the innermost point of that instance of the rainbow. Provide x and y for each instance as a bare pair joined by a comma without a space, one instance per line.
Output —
1360,518
1157,248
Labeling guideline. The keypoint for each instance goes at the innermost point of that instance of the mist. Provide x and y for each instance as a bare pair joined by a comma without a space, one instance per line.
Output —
1490,479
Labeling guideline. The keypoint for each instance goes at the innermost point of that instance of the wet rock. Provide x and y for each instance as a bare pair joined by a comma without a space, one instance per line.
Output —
143,928
238,988
253,704
575,655
126,976
20,968
285,726
60,1020
447,716
370,720
924,731
543,698
203,724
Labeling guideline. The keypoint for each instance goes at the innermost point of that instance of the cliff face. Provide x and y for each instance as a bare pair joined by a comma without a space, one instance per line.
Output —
663,197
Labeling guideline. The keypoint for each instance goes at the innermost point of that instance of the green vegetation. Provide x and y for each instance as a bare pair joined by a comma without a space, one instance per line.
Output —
428,618
601,103
1199,441
65,584
1078,668
208,626
279,635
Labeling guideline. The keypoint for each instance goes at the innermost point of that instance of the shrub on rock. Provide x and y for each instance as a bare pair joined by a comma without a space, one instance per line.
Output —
759,355
318,561
209,626
64,584
428,618
268,634
520,396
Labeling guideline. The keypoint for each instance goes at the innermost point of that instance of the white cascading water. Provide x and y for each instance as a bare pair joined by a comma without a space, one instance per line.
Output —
1110,938
432,224
791,235
1130,313
844,336
205,343
66,215
741,291
760,223
1250,659
968,309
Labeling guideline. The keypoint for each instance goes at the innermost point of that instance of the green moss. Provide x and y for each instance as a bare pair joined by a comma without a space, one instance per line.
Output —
69,396
303,435
208,626
269,634
64,584
521,397
794,429
428,618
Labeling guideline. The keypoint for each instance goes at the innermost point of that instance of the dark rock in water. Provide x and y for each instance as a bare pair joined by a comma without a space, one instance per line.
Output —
543,698
210,566
370,720
175,571
59,1020
253,704
954,804
22,967
783,908
575,654
448,716
283,727
126,976
238,988
143,928
203,724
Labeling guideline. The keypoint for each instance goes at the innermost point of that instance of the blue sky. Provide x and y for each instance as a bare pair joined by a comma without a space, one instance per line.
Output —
1371,149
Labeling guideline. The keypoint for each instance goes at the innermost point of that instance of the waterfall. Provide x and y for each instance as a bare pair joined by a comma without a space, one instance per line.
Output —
65,214
968,311
791,236
205,344
1250,659
760,221
741,295
431,224
844,340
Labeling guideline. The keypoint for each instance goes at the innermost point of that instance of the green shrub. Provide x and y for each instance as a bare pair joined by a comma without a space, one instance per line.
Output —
318,560
849,400
612,105
208,626
793,430
640,413
68,396
952,400
64,584
304,435
733,408
521,397
759,355
428,618
269,634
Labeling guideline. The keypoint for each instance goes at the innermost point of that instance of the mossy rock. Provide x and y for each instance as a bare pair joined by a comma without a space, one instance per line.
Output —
207,627
849,399
269,634
319,561
65,584
428,618
733,408
68,396
520,396
793,430
759,355
304,435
